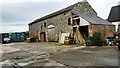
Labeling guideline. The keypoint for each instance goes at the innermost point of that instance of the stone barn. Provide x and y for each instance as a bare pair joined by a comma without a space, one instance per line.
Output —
80,15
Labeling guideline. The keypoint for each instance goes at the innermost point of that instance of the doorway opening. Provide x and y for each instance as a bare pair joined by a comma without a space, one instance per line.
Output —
42,37
84,31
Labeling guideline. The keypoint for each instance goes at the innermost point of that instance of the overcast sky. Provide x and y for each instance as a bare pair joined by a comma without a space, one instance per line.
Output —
17,14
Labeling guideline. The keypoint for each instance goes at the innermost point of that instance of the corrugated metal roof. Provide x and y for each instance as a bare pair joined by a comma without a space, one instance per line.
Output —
114,14
93,19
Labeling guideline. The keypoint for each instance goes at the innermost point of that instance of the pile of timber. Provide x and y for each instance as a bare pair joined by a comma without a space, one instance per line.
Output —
78,37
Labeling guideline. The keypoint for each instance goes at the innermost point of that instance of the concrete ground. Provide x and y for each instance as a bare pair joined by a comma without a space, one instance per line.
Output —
27,53
53,54
101,56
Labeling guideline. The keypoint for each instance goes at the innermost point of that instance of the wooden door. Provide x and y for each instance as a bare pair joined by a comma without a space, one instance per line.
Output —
51,34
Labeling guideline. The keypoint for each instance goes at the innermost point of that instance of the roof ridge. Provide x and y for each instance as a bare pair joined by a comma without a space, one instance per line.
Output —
56,12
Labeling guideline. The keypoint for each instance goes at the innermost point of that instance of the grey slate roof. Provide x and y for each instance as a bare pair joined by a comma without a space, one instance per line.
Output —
93,19
114,14
57,12
53,14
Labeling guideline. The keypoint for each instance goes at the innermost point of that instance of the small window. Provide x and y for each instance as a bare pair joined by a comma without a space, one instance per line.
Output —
74,22
44,24
41,27
69,21
64,13
78,21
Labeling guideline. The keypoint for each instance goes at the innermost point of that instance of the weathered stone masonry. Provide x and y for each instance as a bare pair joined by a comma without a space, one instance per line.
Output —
60,20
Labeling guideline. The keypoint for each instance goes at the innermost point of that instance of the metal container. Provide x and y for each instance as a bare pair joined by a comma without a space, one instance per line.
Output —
18,37
13,37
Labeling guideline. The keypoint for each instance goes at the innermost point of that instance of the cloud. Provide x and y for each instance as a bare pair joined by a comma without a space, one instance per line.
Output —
4,1
13,27
28,11
13,24
16,13
20,14
103,7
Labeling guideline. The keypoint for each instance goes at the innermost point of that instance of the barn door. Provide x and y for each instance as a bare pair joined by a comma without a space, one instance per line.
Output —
51,33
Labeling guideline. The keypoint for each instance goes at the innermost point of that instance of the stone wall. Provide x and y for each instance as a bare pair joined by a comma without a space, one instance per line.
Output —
84,7
60,22
32,30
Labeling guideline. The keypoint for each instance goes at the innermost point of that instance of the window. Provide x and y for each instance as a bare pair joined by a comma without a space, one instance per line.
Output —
64,13
44,24
78,21
74,22
69,21
41,27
